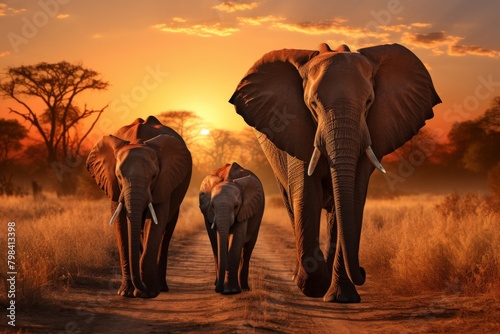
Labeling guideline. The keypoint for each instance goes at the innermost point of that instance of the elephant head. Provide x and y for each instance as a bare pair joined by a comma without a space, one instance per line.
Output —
227,205
136,176
347,108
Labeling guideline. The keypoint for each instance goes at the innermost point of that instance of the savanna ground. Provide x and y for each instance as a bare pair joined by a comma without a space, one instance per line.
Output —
432,262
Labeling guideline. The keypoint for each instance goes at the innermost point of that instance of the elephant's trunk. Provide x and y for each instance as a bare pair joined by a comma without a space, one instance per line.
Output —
136,200
343,145
222,255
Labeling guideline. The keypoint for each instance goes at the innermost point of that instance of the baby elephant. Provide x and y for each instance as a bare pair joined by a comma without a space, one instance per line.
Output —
232,201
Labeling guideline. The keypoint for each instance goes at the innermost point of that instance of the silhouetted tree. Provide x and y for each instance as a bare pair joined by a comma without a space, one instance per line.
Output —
490,121
186,123
217,148
425,146
11,134
56,86
476,142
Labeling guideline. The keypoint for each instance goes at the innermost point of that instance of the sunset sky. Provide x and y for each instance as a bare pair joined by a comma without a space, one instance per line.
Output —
190,55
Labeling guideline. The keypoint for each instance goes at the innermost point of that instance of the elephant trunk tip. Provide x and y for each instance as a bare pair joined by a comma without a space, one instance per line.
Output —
358,279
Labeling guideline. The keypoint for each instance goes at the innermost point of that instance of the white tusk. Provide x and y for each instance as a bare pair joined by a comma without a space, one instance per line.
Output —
153,213
374,160
213,224
117,211
314,161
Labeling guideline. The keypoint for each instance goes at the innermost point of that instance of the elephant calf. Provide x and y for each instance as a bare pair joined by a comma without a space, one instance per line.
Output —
232,201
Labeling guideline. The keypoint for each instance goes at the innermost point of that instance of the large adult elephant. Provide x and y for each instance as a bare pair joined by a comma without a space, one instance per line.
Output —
325,119
144,168
232,202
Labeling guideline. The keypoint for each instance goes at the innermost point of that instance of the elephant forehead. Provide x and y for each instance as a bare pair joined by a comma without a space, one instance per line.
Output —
138,153
225,190
341,61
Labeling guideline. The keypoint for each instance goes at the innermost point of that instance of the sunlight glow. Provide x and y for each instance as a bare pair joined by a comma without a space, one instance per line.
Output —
204,132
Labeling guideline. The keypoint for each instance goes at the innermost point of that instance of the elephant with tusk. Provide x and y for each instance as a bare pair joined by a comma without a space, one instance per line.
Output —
325,118
145,170
232,202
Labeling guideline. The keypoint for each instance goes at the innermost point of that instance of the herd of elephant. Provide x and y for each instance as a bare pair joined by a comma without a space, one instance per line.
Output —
324,119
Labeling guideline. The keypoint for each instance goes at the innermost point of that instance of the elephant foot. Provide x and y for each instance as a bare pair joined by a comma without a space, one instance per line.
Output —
126,290
231,290
342,292
219,286
313,284
146,294
164,286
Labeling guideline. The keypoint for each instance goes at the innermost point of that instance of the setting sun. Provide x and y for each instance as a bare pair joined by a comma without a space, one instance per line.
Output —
204,132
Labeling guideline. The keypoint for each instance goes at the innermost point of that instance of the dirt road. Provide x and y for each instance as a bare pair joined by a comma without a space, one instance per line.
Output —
273,305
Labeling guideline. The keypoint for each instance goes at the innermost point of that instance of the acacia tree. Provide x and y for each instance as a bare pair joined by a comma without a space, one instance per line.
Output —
55,86
186,123
218,148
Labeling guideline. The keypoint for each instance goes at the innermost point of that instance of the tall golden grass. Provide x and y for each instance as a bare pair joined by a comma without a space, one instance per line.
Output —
56,241
416,243
413,244
59,240
448,243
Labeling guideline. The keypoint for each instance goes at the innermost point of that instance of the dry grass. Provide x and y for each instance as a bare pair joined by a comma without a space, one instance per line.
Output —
433,243
416,243
430,243
58,240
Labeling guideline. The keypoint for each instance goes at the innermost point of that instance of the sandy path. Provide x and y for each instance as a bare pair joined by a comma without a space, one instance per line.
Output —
273,305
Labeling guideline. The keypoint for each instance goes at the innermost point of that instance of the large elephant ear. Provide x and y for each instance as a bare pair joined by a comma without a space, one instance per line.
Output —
205,196
175,165
253,197
271,98
404,97
101,164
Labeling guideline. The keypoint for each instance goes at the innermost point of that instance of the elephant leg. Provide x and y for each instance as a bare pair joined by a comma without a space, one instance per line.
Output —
341,289
236,242
245,261
163,253
126,287
307,196
213,242
153,236
289,211
331,235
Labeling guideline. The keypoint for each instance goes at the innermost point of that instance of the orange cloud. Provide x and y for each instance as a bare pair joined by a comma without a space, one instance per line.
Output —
462,50
197,30
231,6
6,10
440,42
4,54
259,20
334,26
